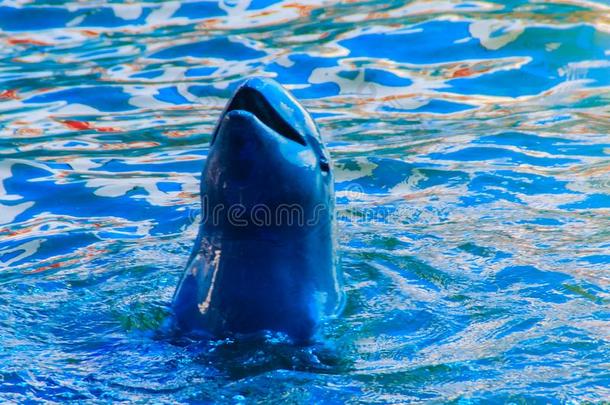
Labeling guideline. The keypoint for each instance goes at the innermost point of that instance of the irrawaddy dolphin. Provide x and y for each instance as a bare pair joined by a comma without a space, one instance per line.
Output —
264,256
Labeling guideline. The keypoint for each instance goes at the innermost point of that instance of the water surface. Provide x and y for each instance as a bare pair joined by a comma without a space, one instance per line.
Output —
471,151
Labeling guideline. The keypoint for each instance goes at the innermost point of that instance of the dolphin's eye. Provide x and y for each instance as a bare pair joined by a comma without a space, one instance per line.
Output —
324,165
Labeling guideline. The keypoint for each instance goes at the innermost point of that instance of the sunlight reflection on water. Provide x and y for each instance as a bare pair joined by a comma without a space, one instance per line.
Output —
483,124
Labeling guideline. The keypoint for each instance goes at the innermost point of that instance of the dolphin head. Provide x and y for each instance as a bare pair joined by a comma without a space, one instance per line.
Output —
264,256
277,109
266,155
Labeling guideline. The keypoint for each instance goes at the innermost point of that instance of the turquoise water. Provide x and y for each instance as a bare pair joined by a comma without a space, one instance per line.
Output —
471,153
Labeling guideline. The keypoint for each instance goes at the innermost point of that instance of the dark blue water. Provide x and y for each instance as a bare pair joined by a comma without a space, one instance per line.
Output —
471,151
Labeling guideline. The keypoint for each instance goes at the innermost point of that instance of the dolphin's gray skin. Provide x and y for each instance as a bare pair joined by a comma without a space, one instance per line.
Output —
264,256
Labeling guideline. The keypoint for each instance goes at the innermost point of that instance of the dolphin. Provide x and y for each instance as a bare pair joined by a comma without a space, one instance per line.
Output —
264,258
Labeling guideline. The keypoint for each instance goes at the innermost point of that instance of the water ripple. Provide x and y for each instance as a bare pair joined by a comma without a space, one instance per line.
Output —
470,144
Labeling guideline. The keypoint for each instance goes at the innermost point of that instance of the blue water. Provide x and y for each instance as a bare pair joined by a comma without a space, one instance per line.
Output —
471,152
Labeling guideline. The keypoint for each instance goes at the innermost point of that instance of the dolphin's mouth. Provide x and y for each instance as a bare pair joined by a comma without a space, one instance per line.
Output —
252,101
